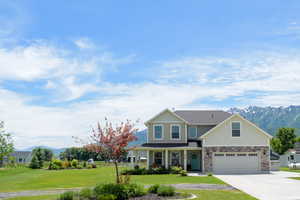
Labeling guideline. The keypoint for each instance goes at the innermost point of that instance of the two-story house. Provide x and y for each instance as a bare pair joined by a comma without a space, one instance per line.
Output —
206,141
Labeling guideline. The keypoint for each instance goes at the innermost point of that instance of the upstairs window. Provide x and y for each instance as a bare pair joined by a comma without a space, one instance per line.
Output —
192,132
158,132
236,129
175,132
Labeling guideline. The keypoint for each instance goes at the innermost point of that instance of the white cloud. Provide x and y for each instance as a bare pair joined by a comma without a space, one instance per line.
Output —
84,43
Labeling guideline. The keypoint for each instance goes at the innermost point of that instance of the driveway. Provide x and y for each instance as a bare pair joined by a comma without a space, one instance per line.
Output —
273,186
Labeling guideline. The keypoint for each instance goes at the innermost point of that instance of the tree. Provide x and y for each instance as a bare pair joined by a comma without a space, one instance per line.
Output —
284,140
6,144
111,143
38,159
48,154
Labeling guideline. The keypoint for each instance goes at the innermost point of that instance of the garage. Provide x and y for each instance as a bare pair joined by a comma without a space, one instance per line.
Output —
232,162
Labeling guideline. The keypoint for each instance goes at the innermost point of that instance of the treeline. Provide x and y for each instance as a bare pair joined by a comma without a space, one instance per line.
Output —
79,153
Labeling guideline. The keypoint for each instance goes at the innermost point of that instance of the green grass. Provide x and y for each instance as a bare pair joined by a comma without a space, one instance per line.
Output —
18,179
289,170
201,194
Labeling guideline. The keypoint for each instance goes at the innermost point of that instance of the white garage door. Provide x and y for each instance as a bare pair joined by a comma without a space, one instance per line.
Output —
236,162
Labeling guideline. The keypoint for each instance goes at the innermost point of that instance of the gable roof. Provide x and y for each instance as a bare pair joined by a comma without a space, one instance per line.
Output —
166,110
203,117
220,124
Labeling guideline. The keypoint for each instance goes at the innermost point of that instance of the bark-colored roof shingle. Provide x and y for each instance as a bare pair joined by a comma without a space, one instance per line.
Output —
203,117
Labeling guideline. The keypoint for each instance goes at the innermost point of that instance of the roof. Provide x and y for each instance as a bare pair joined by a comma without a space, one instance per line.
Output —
21,154
203,117
166,145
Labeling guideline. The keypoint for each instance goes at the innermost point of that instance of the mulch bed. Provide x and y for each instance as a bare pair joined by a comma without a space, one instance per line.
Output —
156,197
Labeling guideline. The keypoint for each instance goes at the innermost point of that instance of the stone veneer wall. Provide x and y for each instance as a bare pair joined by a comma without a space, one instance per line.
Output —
263,151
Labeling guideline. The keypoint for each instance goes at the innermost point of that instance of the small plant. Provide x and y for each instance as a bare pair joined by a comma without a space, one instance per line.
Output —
124,179
107,197
66,196
135,190
79,167
66,164
176,170
183,173
86,194
166,191
74,163
89,166
55,165
136,167
209,174
153,188
94,165
84,164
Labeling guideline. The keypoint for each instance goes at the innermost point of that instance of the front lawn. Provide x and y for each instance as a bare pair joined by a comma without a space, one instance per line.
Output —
17,179
201,194
289,170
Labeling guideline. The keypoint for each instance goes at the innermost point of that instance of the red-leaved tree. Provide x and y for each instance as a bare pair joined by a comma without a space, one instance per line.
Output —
111,142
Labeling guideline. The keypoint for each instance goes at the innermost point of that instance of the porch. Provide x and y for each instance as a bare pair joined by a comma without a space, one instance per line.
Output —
187,159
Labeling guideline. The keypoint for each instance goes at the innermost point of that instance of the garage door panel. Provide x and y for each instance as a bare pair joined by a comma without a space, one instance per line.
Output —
231,162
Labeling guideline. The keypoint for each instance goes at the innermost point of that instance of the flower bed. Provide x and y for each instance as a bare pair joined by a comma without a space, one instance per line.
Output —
159,170
127,191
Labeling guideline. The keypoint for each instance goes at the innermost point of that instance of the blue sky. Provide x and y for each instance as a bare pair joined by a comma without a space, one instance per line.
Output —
64,65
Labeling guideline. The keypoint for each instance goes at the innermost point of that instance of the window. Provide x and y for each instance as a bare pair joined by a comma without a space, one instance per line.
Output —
252,154
175,132
192,132
175,157
292,157
219,154
158,132
158,158
236,129
230,154
242,154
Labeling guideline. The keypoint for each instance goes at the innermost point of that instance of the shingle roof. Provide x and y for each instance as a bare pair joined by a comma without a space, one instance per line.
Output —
20,153
203,117
158,145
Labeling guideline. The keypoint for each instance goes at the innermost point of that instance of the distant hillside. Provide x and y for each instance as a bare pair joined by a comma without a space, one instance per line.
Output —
271,118
141,138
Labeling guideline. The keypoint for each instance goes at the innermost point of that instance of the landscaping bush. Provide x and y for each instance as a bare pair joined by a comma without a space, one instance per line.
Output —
183,173
166,191
144,171
94,165
66,164
153,188
74,163
86,194
66,196
55,165
176,170
107,197
34,164
209,174
120,191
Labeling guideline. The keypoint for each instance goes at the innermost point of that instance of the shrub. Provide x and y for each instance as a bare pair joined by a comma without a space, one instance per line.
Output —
74,163
183,173
66,196
166,191
136,167
176,170
86,193
107,197
66,164
120,191
124,179
209,174
135,190
84,164
55,165
79,167
34,164
153,188
94,165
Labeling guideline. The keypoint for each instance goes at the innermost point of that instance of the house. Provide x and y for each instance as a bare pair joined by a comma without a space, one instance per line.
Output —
291,156
206,141
19,157
137,156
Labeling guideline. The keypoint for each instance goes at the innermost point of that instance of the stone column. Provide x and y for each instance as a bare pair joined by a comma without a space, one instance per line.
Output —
185,159
167,159
148,159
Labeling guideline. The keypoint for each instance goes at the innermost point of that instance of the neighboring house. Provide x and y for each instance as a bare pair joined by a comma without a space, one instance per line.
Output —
291,156
206,141
137,156
19,157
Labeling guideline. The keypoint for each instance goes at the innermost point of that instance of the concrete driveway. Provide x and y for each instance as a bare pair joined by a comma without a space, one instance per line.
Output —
273,186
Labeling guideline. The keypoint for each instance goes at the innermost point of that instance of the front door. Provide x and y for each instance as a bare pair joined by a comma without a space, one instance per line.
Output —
195,162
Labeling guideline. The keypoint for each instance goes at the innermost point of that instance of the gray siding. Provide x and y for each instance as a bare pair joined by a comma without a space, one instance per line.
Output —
202,129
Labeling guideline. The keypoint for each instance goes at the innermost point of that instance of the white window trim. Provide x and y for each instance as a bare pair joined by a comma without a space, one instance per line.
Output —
162,131
171,136
196,132
232,129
